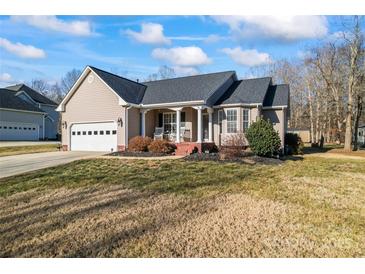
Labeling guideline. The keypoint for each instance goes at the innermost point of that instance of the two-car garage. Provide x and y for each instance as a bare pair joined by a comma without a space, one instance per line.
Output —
94,136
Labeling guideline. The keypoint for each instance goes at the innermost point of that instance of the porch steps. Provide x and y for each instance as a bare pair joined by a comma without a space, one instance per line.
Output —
185,148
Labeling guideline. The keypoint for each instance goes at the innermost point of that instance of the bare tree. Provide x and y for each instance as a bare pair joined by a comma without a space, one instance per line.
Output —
68,80
39,85
163,72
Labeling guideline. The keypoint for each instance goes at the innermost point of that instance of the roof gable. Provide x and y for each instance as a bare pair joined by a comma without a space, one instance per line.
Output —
249,91
9,100
36,96
185,89
277,95
128,90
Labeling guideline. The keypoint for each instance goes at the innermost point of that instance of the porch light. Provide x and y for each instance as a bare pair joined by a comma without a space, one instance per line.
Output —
120,122
64,125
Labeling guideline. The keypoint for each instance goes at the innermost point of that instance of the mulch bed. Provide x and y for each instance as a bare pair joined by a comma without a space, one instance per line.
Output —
137,154
247,159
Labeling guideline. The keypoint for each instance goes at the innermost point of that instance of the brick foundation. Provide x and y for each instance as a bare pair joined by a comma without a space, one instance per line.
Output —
186,148
121,147
64,147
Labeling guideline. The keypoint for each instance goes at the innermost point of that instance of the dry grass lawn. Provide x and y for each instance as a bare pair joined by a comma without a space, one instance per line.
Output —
134,208
16,150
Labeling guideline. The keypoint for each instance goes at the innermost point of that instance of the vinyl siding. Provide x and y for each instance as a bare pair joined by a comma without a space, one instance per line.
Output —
93,102
277,116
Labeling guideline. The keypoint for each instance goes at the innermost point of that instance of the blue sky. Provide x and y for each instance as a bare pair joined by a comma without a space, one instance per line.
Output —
136,46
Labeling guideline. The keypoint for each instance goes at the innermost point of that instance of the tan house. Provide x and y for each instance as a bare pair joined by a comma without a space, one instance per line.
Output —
103,111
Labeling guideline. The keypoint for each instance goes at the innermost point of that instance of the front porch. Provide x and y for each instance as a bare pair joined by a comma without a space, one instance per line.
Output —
189,128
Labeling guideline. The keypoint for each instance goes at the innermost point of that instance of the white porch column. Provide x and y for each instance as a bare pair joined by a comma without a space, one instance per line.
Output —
199,126
210,125
178,119
143,122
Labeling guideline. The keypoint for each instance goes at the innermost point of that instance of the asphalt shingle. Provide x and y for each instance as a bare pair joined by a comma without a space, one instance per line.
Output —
10,101
36,96
130,91
190,88
277,95
246,91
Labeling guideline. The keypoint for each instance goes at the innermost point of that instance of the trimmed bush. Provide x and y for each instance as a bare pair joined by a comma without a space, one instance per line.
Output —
234,145
263,139
139,144
293,144
161,146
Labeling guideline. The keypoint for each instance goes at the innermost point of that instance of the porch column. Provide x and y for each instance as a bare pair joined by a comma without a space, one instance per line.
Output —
143,122
200,124
210,125
178,119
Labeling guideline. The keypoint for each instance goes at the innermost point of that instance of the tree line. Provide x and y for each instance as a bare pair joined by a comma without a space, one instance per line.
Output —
327,86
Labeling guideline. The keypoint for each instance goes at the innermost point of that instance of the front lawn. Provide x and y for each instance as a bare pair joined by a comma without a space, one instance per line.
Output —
16,150
312,207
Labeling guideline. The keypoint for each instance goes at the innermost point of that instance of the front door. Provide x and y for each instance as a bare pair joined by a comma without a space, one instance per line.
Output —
205,127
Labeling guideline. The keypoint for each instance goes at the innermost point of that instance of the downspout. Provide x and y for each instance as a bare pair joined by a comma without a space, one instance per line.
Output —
44,115
126,126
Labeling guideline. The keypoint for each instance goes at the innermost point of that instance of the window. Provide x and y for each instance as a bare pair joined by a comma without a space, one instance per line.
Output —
107,132
169,122
114,132
15,127
101,132
95,132
5,127
89,132
34,128
29,128
245,119
24,128
79,133
220,119
84,133
73,133
10,127
231,120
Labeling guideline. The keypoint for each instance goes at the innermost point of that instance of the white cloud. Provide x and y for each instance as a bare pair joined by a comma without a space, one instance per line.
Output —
5,77
185,71
278,27
250,57
182,56
213,38
52,23
151,33
21,50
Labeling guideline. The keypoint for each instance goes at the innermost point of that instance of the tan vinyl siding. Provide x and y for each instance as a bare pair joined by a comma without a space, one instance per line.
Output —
133,122
277,116
92,102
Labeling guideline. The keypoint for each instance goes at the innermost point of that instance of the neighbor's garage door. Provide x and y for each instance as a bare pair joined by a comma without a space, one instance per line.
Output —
94,137
18,131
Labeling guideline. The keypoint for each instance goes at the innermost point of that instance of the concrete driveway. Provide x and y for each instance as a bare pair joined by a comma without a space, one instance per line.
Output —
26,143
17,164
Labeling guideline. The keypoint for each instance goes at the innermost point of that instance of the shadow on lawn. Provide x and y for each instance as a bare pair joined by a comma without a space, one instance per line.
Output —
46,230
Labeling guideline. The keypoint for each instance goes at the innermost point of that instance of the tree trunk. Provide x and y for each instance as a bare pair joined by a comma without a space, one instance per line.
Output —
349,115
356,122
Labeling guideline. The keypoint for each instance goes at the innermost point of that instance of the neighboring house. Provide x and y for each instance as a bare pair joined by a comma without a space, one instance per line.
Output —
27,115
103,111
361,135
304,134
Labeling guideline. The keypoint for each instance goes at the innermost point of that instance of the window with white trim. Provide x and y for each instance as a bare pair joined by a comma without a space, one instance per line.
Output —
245,119
169,122
231,120
220,119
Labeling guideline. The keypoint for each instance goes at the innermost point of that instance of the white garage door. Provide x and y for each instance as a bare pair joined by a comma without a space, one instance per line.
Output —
18,131
94,137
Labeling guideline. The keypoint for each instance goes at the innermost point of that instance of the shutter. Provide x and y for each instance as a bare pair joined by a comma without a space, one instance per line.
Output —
160,120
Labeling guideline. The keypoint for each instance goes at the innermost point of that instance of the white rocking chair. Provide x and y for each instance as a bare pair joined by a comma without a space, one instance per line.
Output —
158,134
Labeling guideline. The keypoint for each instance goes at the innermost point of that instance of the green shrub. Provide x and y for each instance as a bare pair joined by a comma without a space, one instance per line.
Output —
293,144
139,144
263,139
161,146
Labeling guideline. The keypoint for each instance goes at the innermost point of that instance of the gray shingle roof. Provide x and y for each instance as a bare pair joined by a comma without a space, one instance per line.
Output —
10,101
130,91
246,91
277,95
190,88
36,96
